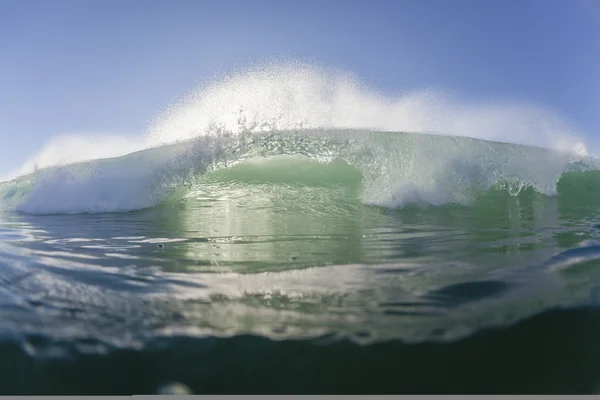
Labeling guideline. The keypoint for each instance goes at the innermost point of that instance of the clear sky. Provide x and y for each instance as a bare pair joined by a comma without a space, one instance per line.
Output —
70,66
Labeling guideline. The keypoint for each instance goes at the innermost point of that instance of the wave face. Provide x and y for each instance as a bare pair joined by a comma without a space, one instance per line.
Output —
397,169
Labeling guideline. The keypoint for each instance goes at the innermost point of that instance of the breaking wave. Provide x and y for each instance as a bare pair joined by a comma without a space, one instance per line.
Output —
287,109
394,169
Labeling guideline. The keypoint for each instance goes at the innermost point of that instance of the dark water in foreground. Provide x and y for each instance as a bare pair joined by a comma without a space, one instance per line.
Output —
276,278
553,353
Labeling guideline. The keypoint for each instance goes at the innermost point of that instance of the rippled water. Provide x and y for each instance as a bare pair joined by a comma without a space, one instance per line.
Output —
274,277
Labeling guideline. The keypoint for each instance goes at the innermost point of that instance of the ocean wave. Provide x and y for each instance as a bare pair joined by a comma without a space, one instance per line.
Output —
395,169
325,115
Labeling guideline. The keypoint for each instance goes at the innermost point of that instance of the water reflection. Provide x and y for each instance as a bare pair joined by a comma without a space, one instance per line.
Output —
268,254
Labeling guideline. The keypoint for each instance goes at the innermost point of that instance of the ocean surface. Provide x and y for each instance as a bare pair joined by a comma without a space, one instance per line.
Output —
288,230
304,261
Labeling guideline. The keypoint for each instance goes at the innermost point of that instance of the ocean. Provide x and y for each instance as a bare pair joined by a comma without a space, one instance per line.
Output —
304,260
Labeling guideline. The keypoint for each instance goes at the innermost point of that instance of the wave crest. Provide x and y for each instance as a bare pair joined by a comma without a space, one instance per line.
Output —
288,96
396,168
293,108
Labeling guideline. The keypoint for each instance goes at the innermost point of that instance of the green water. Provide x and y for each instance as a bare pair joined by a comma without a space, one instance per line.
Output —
300,255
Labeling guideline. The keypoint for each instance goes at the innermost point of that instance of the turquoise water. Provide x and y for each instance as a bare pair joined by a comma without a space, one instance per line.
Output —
233,263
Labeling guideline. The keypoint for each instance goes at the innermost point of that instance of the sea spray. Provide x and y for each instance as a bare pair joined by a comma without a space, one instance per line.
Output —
287,96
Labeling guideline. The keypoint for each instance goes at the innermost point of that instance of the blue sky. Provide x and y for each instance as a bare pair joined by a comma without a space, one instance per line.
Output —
112,65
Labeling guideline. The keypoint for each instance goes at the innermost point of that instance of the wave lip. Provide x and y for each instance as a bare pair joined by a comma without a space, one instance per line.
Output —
397,169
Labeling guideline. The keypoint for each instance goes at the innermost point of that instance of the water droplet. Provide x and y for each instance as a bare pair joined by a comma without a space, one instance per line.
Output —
174,388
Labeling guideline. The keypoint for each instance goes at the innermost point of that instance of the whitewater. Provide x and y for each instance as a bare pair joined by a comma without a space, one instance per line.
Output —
215,126
309,231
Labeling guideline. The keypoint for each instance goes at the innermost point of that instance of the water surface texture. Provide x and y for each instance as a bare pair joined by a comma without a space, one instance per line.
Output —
304,260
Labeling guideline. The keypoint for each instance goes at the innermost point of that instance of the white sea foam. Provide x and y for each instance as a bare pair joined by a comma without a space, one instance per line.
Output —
292,97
